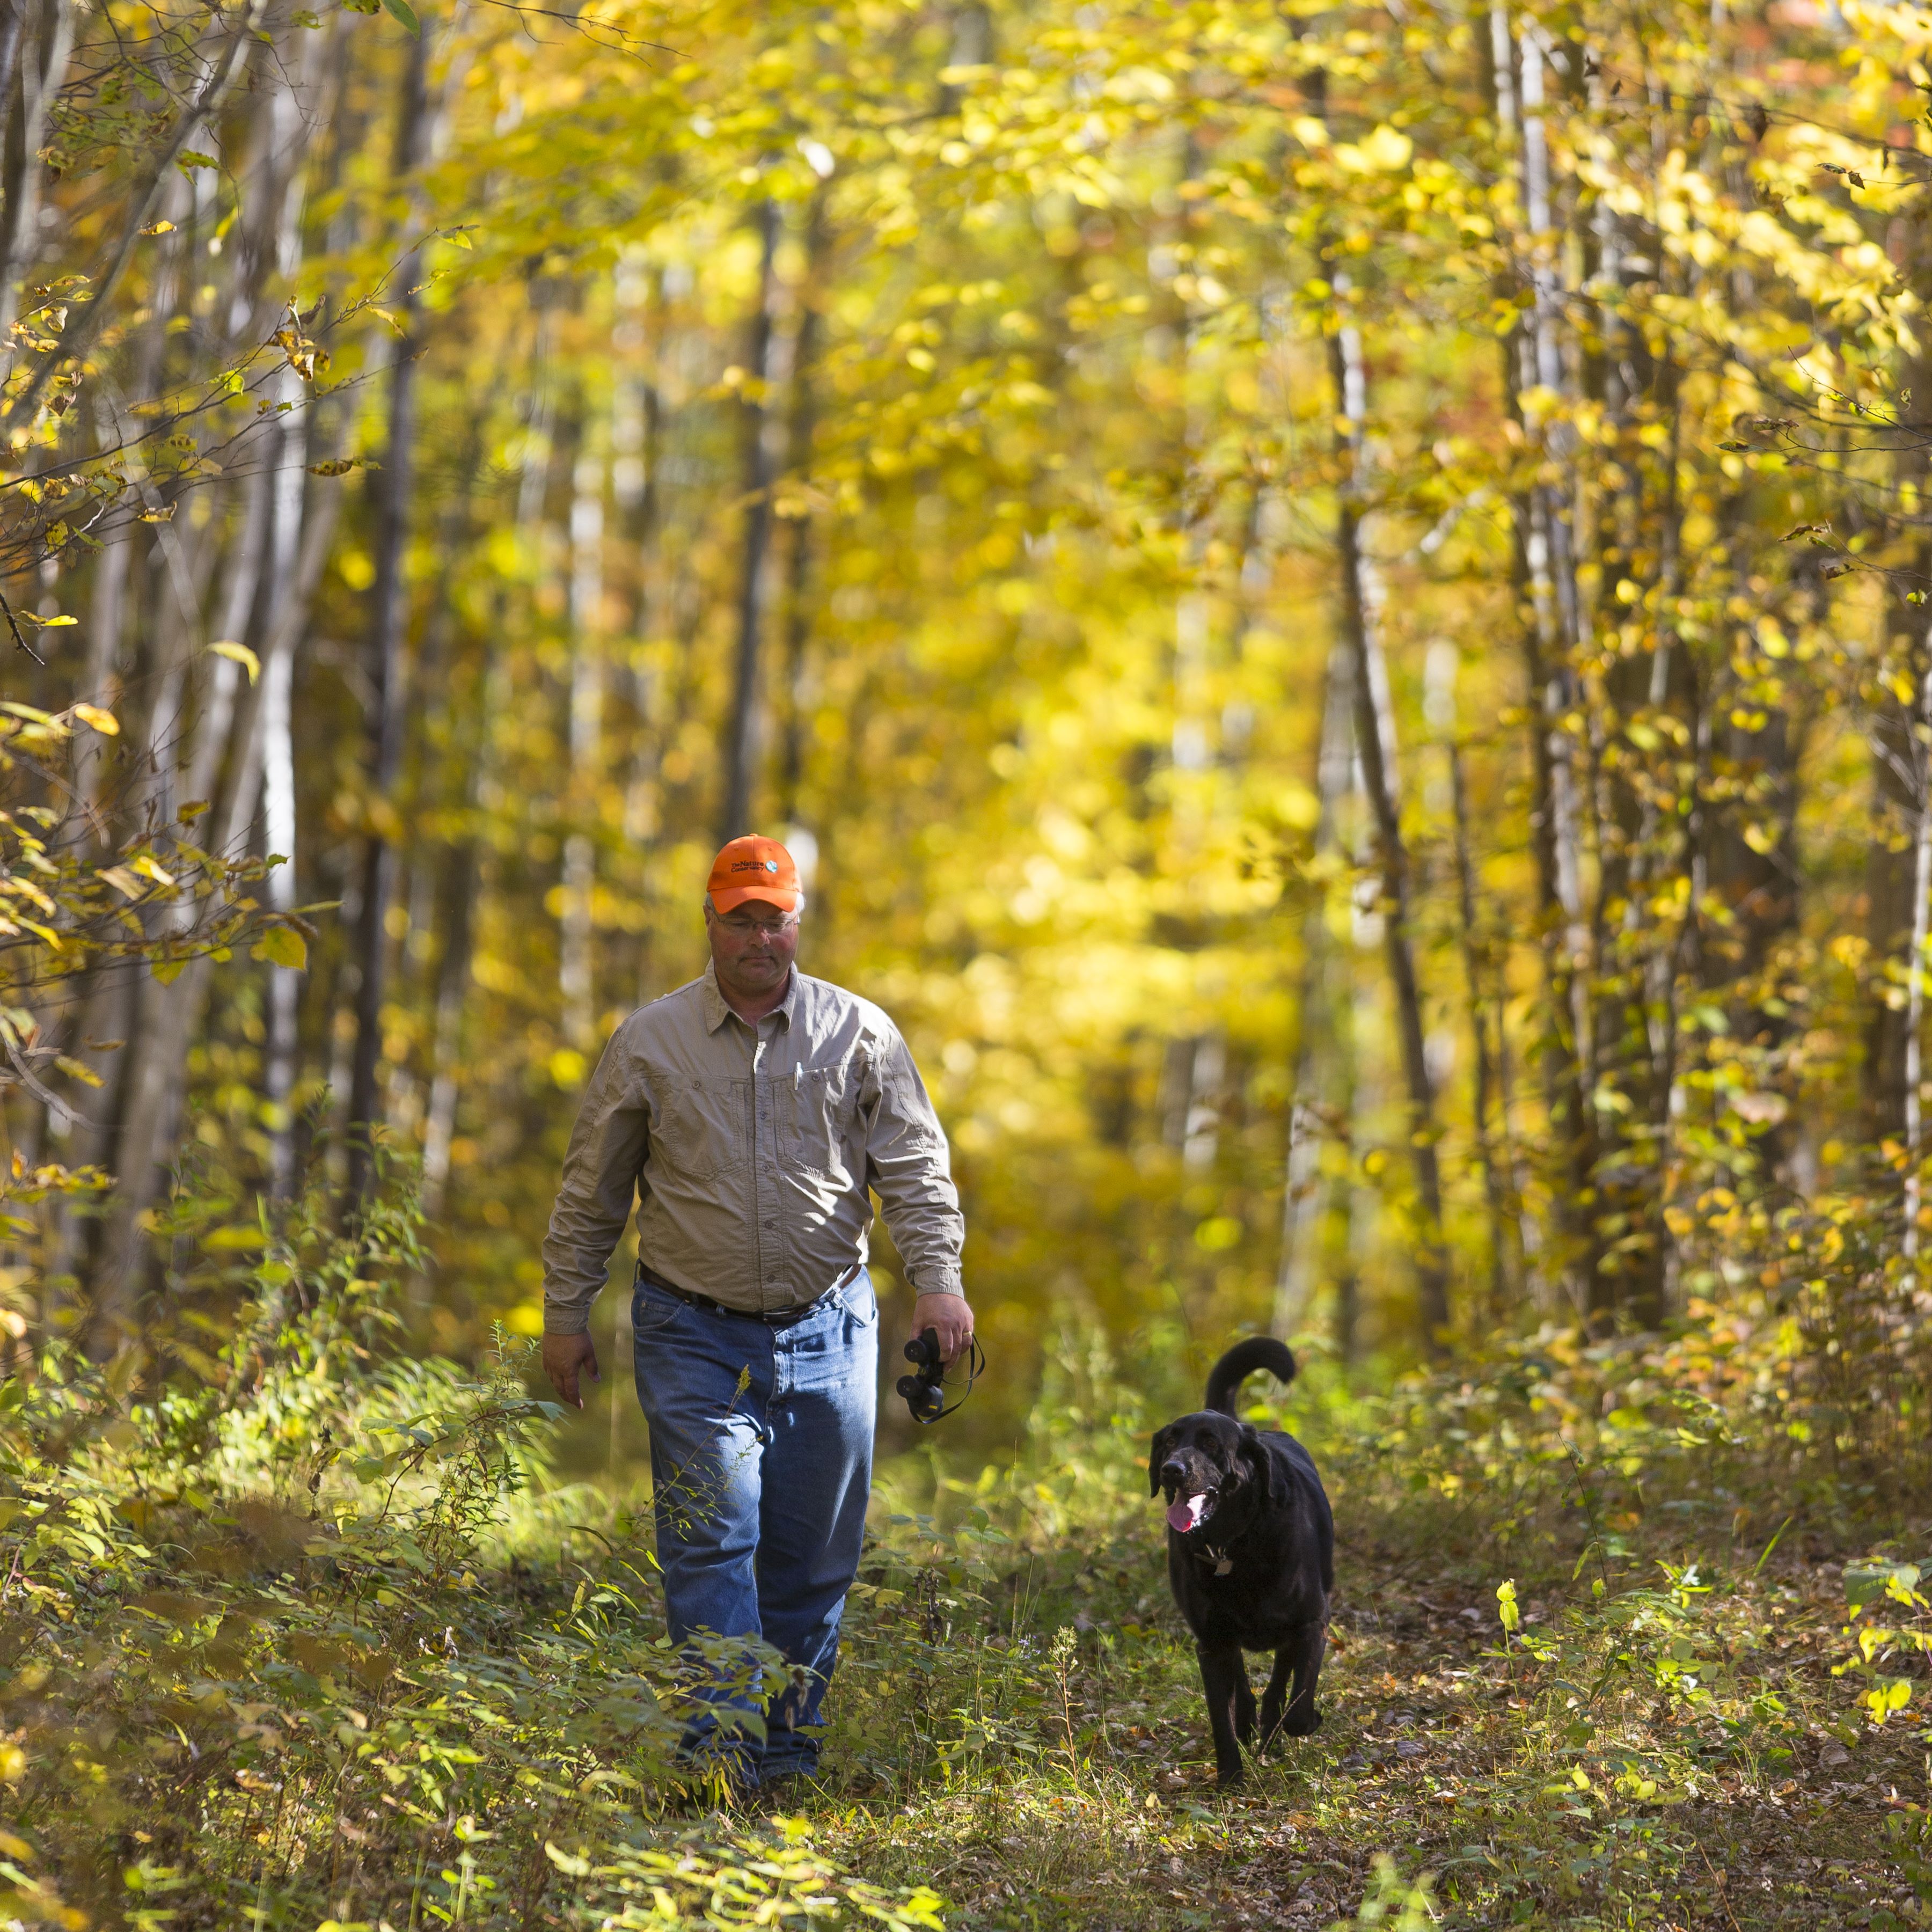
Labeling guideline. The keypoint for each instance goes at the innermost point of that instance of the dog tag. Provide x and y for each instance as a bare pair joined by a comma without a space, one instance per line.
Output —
1223,1565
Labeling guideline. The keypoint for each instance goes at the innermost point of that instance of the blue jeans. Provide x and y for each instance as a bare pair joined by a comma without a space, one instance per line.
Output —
761,1492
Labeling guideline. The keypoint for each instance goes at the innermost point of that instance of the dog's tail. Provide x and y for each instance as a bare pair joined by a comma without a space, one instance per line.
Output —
1258,1352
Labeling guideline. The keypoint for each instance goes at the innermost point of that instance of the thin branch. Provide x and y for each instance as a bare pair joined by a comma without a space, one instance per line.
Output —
20,636
82,328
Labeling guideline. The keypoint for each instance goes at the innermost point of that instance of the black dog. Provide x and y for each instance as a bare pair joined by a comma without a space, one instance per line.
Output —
1250,1554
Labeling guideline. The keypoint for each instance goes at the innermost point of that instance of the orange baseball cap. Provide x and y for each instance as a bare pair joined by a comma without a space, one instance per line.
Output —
754,869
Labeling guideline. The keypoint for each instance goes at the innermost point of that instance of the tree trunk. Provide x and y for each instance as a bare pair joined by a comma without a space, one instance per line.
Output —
576,968
295,547
33,48
798,463
388,623
101,682
1361,598
452,988
1890,862
263,603
741,733
1914,999
642,500
13,32
167,1013
1504,1236
1566,1077
1322,1042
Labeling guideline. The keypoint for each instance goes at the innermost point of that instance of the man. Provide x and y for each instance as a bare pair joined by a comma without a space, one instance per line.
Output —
753,1112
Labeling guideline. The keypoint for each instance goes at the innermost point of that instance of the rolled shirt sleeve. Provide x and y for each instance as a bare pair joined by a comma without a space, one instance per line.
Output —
602,1171
909,1168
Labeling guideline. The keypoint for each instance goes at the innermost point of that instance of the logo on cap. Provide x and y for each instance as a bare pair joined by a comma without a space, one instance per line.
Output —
753,868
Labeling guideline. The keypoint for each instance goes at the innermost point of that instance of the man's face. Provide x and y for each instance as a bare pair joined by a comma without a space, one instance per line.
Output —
752,946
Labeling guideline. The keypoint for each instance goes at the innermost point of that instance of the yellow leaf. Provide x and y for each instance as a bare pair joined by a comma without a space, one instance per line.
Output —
148,869
105,722
240,654
1388,150
123,881
282,945
25,889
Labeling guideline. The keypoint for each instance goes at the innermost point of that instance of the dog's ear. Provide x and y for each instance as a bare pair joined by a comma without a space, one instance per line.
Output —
1260,1460
1156,1455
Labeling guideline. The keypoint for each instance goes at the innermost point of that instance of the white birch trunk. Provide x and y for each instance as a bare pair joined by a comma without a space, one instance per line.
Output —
576,966
1915,998
46,45
1297,1271
1374,735
260,582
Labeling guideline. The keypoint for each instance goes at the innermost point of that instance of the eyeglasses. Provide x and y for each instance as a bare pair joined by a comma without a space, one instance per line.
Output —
745,928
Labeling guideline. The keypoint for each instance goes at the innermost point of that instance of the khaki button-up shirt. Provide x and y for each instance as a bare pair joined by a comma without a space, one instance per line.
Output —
752,1151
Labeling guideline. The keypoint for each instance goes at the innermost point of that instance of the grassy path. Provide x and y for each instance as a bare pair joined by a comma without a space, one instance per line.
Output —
1668,1765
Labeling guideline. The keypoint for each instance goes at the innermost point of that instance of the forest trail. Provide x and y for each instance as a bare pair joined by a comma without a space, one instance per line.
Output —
1630,1676
1499,1790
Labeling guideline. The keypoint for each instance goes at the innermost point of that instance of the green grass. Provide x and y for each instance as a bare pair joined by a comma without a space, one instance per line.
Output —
1665,1763
317,1642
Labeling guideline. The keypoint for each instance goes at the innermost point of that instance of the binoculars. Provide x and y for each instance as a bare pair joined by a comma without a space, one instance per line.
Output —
925,1392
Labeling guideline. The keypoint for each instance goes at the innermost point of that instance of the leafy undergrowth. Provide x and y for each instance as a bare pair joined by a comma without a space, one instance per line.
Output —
1585,1672
1626,1635
1676,1752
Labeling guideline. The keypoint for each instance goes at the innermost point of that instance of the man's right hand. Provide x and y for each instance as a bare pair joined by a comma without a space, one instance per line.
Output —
563,1355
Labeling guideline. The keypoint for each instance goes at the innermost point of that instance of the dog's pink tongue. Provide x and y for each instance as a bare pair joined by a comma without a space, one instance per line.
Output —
1183,1515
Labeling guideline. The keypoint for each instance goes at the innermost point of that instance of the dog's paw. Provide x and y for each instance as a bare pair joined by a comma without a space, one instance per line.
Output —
1298,1725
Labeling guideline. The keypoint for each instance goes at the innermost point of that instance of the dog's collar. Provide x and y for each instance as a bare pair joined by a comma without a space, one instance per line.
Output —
1218,1560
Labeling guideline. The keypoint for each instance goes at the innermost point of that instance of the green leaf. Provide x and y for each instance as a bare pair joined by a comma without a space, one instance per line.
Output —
1866,1581
401,10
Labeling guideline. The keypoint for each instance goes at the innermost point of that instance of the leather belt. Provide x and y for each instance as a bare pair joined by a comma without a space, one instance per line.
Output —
782,1317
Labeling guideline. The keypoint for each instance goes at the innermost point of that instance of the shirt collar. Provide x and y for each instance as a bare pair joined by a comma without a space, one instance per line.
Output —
716,1012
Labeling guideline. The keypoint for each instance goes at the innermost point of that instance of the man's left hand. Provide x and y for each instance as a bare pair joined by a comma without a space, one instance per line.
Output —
951,1314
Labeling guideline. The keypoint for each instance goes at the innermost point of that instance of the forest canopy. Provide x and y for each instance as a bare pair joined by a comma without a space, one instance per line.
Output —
1332,599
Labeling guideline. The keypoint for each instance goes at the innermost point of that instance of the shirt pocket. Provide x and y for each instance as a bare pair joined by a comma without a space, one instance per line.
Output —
697,1133
816,1107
